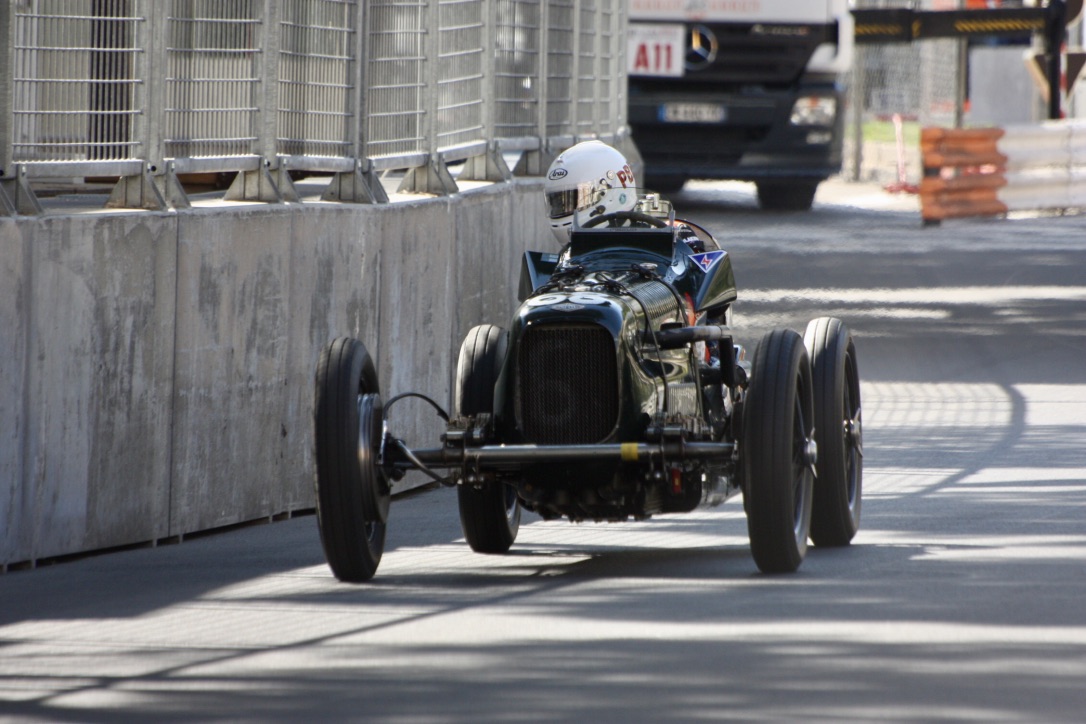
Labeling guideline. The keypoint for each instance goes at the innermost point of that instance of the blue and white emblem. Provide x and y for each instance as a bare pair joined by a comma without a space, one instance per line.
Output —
708,259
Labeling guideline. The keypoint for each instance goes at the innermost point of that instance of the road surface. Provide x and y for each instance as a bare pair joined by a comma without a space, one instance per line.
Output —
963,597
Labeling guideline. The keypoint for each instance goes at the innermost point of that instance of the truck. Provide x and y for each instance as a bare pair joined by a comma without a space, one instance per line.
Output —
748,90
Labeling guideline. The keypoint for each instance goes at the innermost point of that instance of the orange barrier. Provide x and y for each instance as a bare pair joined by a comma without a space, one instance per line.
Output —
963,171
990,171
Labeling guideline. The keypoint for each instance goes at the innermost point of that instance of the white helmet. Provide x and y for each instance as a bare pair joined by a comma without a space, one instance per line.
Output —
580,179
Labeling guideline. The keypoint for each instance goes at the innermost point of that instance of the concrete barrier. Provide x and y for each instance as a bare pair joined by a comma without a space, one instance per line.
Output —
156,369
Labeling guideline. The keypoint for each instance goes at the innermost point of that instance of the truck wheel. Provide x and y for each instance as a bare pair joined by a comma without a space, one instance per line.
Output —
776,452
353,494
835,517
786,196
489,515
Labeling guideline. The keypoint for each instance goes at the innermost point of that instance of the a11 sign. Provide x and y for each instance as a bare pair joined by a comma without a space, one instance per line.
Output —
655,49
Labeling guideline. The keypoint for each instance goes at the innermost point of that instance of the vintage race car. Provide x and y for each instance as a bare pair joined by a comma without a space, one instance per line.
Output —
617,392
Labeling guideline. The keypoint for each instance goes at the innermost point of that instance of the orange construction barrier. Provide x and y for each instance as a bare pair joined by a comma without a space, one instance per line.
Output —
963,171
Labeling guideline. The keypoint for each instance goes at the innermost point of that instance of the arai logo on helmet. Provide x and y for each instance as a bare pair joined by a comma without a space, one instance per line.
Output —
557,174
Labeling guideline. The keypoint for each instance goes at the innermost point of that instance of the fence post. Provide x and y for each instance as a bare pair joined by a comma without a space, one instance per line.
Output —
268,123
156,187
7,87
623,139
260,184
16,196
536,162
360,185
432,177
490,165
7,52
619,84
1055,32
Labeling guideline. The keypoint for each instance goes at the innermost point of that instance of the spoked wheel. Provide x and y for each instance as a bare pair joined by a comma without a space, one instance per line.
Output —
489,515
353,493
838,431
777,452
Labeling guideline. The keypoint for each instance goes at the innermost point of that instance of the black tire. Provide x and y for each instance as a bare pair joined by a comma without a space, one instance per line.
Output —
777,428
352,493
838,496
489,515
786,195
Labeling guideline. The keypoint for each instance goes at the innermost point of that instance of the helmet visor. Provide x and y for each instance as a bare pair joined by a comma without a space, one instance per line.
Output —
564,203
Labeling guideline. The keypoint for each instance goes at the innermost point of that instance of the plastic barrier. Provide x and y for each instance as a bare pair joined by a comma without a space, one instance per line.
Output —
991,171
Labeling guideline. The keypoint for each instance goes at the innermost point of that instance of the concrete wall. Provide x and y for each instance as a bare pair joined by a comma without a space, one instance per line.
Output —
156,369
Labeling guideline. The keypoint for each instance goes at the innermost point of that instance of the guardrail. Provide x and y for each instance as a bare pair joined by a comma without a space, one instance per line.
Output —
991,171
146,91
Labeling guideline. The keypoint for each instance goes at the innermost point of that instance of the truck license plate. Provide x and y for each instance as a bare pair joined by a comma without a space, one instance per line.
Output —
692,113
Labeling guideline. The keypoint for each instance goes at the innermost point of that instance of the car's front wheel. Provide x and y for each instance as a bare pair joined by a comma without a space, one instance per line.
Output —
490,513
777,452
352,493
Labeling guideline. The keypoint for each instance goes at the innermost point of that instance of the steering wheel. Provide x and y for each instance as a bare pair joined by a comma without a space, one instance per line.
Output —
618,218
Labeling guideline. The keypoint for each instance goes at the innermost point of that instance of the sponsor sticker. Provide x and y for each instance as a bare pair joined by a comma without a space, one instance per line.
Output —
707,259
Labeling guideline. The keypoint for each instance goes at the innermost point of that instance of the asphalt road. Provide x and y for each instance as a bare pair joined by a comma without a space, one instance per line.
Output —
962,598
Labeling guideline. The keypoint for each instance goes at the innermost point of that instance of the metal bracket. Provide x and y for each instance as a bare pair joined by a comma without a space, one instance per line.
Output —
432,177
535,163
258,185
355,187
285,184
489,166
161,192
16,196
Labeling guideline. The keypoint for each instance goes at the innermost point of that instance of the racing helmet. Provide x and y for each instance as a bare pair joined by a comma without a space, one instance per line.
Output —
580,178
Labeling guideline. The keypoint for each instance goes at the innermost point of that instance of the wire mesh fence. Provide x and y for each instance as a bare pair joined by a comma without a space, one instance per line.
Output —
896,89
94,87
213,78
75,85
317,45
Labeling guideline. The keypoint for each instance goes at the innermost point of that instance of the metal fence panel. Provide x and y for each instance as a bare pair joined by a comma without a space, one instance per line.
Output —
460,80
396,80
212,78
560,46
517,75
101,87
586,64
610,89
316,67
75,88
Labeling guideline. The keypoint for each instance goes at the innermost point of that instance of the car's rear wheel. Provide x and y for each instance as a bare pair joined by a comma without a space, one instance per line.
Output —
353,494
835,517
489,514
777,454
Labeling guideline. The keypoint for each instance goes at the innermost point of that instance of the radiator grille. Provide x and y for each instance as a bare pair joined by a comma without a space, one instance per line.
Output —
567,384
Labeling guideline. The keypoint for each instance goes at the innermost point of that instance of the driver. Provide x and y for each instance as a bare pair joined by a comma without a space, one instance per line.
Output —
591,173
580,178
